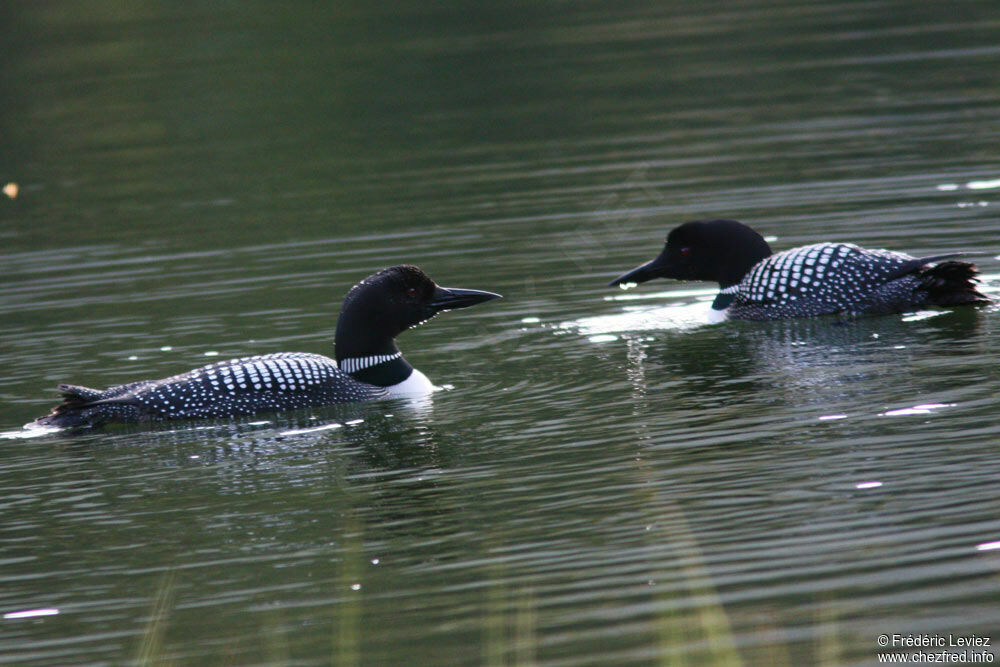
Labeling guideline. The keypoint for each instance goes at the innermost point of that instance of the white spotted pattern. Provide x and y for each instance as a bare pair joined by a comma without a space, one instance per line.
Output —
239,387
822,279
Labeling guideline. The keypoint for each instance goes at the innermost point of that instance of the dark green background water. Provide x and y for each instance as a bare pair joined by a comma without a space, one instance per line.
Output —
606,481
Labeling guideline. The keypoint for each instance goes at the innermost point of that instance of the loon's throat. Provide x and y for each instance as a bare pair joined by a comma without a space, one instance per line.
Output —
725,297
353,365
381,370
366,352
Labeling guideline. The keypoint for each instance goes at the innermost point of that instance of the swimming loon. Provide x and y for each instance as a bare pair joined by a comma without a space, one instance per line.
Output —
369,365
818,279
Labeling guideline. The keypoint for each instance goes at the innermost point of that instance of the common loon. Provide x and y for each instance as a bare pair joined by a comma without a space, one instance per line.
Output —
818,279
369,365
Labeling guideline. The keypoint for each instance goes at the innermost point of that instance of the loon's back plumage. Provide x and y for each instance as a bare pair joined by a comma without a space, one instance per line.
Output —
818,279
245,386
831,278
375,311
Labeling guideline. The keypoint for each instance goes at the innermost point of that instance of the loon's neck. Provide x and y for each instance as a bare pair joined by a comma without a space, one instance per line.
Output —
366,356
725,297
381,370
738,254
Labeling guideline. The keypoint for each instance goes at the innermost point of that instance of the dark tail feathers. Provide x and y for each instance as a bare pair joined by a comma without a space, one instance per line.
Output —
76,409
951,283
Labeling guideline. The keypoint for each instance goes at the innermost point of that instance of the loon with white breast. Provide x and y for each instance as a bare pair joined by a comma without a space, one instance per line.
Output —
368,364
818,279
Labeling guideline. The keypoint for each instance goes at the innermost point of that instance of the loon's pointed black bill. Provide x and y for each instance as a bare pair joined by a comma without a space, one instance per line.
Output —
450,298
640,274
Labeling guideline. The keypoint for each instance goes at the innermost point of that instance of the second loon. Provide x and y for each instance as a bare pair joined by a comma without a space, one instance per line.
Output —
369,366
818,279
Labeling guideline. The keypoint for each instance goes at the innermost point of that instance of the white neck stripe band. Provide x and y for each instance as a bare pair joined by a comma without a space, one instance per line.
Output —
355,364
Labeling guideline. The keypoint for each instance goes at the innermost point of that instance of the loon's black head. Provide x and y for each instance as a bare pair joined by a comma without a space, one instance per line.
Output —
389,302
714,250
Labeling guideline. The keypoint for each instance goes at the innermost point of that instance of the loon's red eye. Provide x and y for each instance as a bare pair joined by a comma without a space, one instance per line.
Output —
685,252
412,292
